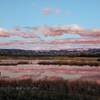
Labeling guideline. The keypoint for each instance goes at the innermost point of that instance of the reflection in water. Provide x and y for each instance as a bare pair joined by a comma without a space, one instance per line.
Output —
36,71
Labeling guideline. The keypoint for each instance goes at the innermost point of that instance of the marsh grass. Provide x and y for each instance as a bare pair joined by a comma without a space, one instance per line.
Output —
49,90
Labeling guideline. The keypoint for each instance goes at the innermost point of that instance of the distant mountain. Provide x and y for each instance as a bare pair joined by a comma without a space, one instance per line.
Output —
30,53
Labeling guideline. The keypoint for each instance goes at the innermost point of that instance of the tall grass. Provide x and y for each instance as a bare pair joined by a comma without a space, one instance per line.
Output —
49,90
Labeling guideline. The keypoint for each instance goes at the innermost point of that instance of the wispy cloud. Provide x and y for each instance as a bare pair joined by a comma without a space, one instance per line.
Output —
74,41
92,33
58,30
16,42
49,36
55,11
46,11
25,35
4,33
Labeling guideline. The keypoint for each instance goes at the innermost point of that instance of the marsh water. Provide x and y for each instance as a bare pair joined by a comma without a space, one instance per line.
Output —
36,71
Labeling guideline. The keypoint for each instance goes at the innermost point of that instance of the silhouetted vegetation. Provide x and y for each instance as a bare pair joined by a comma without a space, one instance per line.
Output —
52,53
98,59
80,63
14,63
49,90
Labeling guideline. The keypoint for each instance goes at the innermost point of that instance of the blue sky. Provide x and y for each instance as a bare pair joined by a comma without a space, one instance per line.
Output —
54,21
29,13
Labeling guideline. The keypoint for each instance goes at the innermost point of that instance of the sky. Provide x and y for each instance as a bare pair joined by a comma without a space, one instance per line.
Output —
49,24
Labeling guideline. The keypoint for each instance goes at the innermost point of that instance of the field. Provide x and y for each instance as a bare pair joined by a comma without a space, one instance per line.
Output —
26,78
56,60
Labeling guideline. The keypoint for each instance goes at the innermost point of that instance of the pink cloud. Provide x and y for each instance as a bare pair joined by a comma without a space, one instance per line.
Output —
95,30
94,35
88,36
73,41
91,33
58,30
46,30
19,42
20,33
66,29
56,11
4,33
25,35
51,31
46,11
69,29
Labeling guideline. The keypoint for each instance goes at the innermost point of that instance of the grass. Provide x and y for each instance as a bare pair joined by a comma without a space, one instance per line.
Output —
57,60
49,90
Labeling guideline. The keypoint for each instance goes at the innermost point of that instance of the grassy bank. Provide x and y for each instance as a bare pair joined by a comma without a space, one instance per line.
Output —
49,90
57,60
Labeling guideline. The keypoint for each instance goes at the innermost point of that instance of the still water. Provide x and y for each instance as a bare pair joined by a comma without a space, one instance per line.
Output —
36,71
